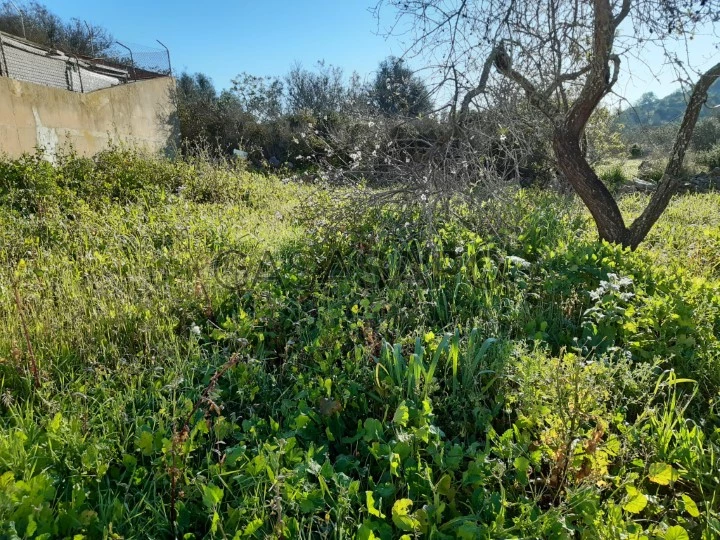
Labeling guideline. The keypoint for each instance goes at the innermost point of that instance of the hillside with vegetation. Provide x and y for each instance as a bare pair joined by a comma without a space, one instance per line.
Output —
653,111
192,350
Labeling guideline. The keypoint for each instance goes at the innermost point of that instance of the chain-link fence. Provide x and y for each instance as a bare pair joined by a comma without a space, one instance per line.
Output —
26,61
142,61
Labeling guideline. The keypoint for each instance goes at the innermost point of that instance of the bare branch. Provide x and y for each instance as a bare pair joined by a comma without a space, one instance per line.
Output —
624,11
479,89
673,172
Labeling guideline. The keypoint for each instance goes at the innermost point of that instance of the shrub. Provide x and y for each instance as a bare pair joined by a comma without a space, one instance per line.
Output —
651,171
710,158
635,151
30,184
706,134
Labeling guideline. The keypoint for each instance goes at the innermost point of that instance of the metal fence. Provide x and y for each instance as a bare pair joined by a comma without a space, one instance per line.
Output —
142,61
26,61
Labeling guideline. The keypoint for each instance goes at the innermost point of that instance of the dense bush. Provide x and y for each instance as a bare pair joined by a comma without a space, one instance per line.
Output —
710,158
31,185
652,170
317,120
706,134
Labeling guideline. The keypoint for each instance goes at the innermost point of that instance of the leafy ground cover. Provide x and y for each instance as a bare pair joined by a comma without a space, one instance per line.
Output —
194,351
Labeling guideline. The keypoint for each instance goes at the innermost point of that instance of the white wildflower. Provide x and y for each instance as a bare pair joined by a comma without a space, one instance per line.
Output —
518,261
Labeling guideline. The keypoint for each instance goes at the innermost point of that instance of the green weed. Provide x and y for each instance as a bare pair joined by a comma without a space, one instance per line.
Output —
214,359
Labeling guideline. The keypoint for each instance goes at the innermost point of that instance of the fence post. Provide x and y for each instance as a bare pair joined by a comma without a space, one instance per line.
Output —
167,51
4,71
79,74
132,60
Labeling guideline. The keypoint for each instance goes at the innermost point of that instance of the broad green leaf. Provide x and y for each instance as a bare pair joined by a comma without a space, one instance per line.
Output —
129,461
690,506
636,501
402,507
145,443
370,503
365,532
662,473
521,463
470,531
394,464
612,446
401,515
55,423
676,532
252,527
402,415
212,495
444,487
373,429
31,527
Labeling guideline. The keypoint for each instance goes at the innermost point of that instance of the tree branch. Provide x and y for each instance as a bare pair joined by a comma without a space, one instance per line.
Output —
538,99
596,84
672,176
479,89
564,78
624,10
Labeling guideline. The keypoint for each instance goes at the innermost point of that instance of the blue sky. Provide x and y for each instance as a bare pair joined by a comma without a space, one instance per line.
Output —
262,37
265,37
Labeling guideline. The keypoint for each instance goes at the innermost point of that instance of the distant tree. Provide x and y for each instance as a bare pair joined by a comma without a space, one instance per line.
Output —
707,133
46,28
247,117
319,92
648,98
603,137
262,97
198,108
398,91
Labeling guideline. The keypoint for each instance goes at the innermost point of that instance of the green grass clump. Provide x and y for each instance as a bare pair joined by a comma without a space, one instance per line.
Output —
614,177
214,360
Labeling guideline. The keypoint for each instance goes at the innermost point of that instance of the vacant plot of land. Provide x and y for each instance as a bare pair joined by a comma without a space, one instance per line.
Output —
194,351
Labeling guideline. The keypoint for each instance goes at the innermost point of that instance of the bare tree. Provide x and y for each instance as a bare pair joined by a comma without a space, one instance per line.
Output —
565,56
37,23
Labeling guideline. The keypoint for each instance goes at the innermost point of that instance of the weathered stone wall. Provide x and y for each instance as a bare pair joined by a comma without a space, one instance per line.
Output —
140,114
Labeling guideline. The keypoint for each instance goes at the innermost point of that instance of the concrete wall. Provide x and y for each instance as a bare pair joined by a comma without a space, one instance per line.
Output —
140,114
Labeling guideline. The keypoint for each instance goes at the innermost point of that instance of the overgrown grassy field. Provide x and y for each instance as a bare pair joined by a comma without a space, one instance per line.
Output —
193,351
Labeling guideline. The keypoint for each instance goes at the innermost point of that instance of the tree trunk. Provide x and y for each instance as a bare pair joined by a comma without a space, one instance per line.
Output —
670,181
570,126
592,191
